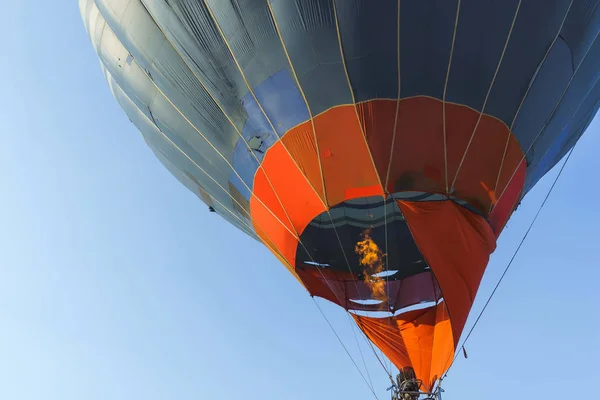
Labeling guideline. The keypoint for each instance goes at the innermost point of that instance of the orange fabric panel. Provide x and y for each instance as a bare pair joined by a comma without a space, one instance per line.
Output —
377,118
444,344
264,191
297,196
387,336
421,339
287,204
275,226
300,142
456,243
345,156
418,157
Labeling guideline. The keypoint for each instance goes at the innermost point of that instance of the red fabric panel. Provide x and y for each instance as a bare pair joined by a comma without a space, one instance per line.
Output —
456,244
418,156
416,289
509,199
341,287
480,161
377,118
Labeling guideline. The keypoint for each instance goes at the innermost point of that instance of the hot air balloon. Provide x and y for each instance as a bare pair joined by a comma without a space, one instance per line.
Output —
377,148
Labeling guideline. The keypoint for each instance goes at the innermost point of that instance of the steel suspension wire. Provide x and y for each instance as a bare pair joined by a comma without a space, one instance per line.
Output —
461,347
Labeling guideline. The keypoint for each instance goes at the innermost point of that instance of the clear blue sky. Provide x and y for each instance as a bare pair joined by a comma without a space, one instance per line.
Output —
116,283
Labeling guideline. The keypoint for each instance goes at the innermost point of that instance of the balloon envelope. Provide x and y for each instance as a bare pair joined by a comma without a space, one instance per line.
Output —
377,148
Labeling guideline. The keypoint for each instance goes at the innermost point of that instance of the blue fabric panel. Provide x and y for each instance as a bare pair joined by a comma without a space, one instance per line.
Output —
574,99
483,28
257,125
544,94
207,159
195,52
524,54
282,101
245,159
581,27
549,159
556,143
562,145
245,165
251,36
541,105
310,35
369,31
426,29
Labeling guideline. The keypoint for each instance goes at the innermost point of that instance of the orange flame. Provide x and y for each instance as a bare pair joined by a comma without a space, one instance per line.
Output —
371,258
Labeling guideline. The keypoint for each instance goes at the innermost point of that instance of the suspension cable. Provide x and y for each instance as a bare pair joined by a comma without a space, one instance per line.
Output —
360,351
345,348
512,259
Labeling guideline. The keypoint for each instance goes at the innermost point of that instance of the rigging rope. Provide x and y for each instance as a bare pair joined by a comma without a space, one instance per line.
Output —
511,260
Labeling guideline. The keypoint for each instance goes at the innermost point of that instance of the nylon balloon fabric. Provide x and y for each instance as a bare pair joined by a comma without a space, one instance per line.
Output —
377,148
